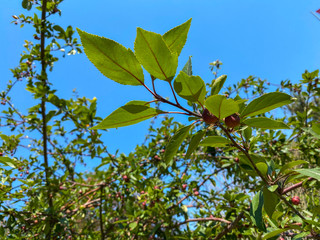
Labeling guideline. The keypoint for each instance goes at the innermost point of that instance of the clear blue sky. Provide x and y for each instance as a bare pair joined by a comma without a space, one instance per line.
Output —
271,39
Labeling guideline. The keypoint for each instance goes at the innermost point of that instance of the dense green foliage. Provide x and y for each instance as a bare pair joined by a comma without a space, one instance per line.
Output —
230,173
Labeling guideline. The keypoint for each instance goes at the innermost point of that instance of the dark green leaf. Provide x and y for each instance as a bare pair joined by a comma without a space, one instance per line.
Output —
153,53
218,84
26,4
176,37
265,123
270,201
256,211
175,142
112,59
312,172
195,140
188,67
220,106
191,88
131,113
265,103
214,141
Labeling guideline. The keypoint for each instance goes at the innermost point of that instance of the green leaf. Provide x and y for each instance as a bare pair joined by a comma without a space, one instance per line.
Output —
155,56
195,140
300,235
220,106
313,172
191,88
8,162
176,37
218,84
265,103
133,225
274,233
188,67
247,133
271,200
291,165
256,211
26,4
112,59
273,188
265,123
214,141
175,142
316,128
131,113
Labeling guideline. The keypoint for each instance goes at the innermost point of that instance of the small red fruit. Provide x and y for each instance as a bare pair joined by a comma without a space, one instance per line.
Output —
156,157
156,187
295,200
27,172
232,120
144,203
1,154
196,193
142,192
125,178
236,160
208,117
184,186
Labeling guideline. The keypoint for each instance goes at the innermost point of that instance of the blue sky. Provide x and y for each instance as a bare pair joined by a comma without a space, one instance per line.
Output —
274,40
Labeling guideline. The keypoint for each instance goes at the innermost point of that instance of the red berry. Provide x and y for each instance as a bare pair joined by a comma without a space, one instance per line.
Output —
208,117
156,187
27,172
13,179
184,186
144,203
125,178
156,157
295,200
232,121
1,154
196,193
236,160
142,192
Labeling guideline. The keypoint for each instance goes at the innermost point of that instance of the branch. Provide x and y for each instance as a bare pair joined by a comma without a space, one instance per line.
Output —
230,227
294,186
205,219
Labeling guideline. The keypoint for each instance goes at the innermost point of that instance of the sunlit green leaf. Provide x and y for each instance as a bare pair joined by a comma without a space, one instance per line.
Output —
291,165
112,59
177,37
266,103
8,162
191,88
188,67
218,84
220,106
131,113
215,141
312,172
265,123
155,56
